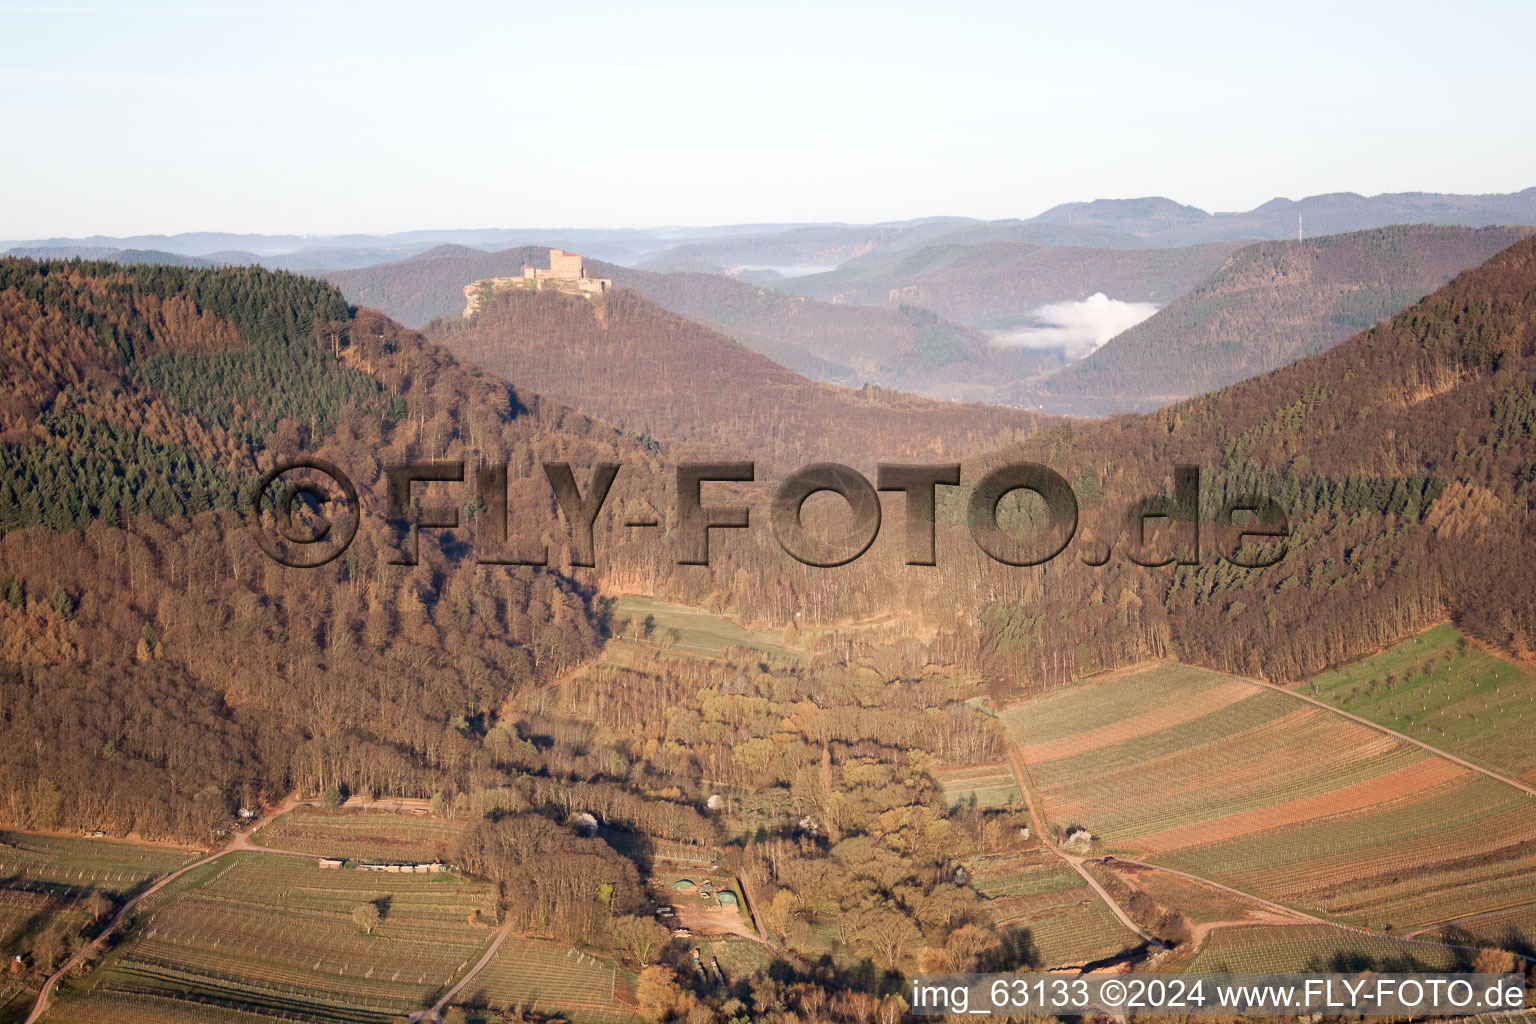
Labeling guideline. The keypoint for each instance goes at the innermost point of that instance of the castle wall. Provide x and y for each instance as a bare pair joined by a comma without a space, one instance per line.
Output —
564,265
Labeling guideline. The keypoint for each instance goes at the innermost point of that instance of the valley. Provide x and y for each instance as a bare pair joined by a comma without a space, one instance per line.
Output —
647,790
714,514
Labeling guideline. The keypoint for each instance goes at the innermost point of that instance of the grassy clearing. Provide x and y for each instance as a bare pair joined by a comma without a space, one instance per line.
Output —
379,836
15,1001
738,957
684,630
276,935
1439,688
990,785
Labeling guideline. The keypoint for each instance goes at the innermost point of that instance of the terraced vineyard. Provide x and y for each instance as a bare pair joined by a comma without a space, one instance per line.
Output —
1439,688
549,977
276,934
1047,905
1197,902
1256,948
107,865
1464,849
45,881
380,836
1513,929
1261,791
123,1008
989,785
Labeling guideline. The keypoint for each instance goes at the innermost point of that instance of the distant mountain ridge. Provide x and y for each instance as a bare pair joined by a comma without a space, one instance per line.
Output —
1148,222
1151,222
1163,221
83,252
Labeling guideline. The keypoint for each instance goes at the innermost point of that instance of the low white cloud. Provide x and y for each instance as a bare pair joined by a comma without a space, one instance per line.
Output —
1078,327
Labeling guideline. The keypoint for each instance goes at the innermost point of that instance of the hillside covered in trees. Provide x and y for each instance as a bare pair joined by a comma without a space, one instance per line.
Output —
646,370
1271,304
141,402
1378,532
908,348
160,672
999,284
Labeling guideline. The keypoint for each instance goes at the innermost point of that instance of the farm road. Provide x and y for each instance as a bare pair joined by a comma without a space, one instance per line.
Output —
1021,772
240,841
435,1014
1396,735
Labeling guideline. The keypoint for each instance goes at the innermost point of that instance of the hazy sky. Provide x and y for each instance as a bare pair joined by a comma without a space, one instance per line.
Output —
162,116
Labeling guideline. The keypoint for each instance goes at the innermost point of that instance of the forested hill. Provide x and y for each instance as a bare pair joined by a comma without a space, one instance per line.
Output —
431,284
999,284
158,670
1271,304
1406,460
904,347
627,361
1389,453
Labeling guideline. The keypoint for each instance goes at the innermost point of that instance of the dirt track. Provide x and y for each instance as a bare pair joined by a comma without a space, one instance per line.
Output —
1021,774
1201,932
240,841
1393,732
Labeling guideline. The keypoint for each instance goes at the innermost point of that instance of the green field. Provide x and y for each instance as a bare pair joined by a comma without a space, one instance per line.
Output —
15,1000
990,785
681,629
1254,788
1439,688
275,935
380,836
738,957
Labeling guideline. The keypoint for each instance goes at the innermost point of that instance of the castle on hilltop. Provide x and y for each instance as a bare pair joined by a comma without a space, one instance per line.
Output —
565,274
